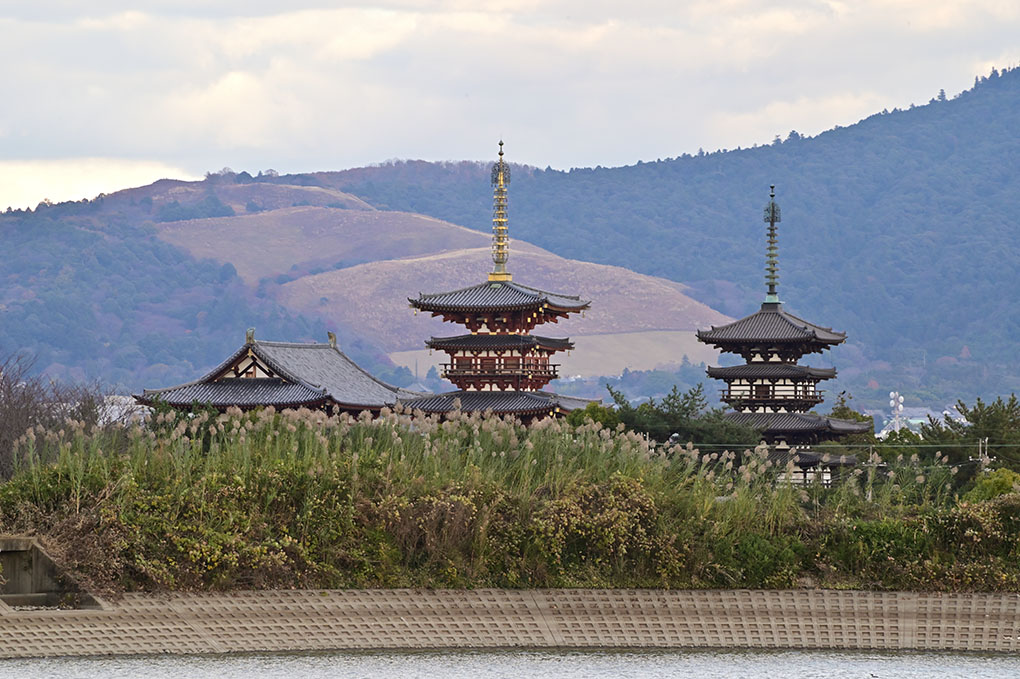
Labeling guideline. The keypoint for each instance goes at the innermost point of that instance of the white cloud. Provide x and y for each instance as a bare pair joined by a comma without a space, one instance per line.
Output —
27,183
802,114
247,84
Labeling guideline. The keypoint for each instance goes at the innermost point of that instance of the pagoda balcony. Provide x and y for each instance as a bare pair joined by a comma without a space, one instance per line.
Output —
545,372
769,392
743,401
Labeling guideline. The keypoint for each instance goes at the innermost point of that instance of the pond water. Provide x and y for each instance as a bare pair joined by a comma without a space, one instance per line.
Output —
533,665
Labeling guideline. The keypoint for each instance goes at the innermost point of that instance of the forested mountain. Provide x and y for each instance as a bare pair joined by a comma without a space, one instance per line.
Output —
901,230
154,286
99,299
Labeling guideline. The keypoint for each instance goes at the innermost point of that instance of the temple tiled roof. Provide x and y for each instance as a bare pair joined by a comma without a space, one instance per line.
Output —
499,341
770,324
771,371
243,393
497,295
306,373
522,403
798,423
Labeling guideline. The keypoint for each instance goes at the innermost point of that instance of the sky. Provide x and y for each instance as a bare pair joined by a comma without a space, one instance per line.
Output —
103,95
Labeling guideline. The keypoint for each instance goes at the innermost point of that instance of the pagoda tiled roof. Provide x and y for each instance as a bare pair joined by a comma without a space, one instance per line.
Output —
306,374
808,459
771,323
499,341
771,371
497,295
797,423
511,402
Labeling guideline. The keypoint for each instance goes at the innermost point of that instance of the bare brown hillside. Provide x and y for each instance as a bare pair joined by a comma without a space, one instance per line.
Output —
260,195
299,239
373,297
375,259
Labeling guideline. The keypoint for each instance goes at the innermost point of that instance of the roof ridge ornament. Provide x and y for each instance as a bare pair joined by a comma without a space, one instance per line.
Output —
772,217
500,231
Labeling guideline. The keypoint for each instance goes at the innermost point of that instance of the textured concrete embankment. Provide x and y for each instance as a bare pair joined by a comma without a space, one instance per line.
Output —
406,619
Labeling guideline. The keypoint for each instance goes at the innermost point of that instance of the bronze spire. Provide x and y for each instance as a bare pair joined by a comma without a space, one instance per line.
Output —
500,235
772,251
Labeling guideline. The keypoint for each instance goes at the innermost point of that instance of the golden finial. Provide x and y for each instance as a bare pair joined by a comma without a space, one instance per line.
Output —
500,233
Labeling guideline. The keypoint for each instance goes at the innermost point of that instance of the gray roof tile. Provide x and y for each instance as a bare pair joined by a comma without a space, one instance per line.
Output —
797,423
323,366
770,324
808,459
309,372
244,393
774,371
499,341
497,295
499,402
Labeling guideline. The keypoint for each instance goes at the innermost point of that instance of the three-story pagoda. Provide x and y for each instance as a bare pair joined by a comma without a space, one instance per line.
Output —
771,391
498,366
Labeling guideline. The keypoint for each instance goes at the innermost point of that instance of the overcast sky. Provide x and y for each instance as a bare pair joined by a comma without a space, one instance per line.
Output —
102,95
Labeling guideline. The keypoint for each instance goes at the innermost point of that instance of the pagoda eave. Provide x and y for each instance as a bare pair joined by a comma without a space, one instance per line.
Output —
500,320
480,342
798,427
771,372
748,349
518,403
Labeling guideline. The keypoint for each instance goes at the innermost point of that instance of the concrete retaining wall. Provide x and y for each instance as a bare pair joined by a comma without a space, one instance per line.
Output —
406,619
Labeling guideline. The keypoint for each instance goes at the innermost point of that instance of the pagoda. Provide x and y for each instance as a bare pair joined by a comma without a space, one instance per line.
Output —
771,391
498,366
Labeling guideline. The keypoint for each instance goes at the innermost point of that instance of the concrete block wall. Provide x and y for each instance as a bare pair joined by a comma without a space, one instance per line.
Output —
412,619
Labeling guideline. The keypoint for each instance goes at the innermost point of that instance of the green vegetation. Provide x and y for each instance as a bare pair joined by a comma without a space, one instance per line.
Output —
101,298
996,424
637,384
684,416
297,499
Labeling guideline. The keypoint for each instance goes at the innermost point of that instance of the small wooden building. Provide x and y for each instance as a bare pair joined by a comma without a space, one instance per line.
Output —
283,375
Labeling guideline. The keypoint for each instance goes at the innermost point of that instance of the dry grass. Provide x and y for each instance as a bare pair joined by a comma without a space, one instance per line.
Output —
299,499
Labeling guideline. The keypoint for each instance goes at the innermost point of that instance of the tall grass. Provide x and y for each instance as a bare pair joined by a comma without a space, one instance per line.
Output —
297,498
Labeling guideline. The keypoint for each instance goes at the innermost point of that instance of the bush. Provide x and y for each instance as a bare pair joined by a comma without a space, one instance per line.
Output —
993,484
28,401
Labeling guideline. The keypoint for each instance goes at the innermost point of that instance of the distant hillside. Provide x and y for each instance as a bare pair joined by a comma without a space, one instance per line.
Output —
357,269
900,230
113,303
154,285
374,296
294,241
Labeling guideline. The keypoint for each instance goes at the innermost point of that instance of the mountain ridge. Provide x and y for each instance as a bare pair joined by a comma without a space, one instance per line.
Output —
900,230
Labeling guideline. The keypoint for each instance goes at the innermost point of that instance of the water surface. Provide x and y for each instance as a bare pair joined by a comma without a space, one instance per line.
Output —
532,665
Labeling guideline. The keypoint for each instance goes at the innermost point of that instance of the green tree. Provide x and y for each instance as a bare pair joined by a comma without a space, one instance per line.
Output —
596,412
996,423
684,417
994,484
